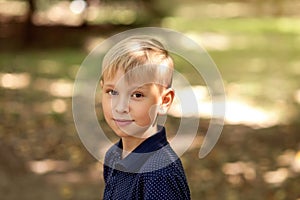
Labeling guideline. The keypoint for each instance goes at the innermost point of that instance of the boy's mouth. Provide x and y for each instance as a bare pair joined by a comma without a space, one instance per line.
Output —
123,122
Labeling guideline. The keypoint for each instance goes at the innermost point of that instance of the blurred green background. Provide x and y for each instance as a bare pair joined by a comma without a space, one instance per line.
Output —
254,43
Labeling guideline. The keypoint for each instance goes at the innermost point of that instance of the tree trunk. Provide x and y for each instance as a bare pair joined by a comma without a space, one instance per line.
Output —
28,34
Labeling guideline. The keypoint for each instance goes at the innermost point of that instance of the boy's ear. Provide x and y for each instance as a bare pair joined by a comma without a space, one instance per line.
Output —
101,83
167,99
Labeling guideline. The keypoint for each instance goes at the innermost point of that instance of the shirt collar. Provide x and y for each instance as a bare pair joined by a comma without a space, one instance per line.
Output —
135,160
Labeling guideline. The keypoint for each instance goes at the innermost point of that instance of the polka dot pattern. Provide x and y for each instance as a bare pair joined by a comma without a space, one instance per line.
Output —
151,180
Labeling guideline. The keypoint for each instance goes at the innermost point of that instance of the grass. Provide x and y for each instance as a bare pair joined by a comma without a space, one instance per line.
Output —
248,26
37,62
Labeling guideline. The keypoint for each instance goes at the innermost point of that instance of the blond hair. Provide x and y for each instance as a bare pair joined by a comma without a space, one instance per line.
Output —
139,57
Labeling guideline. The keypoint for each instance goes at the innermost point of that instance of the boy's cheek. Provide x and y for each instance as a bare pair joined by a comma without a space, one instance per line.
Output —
106,108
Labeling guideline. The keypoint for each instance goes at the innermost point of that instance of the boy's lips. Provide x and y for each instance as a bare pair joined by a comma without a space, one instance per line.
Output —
123,122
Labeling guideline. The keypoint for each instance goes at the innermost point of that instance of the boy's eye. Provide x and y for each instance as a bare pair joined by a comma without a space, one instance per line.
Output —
112,92
137,95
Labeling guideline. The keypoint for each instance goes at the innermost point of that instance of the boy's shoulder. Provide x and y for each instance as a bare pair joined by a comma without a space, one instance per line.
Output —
164,174
164,160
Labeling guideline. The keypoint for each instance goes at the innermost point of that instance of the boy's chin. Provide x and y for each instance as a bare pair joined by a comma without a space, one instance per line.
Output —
141,132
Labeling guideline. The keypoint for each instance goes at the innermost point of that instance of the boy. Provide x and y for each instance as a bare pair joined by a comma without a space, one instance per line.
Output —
136,88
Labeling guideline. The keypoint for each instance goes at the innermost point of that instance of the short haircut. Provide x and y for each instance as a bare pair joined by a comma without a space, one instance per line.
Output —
141,58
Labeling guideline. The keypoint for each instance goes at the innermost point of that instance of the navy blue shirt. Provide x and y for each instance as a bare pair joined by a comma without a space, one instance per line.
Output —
151,171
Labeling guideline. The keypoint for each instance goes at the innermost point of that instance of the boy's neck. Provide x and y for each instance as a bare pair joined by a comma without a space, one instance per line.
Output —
129,143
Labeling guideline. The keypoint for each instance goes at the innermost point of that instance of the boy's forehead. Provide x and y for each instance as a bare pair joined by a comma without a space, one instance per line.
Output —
128,84
136,79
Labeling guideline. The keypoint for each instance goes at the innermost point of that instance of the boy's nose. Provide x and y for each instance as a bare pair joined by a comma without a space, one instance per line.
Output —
121,105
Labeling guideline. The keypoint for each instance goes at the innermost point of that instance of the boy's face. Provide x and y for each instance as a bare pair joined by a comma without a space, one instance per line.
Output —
130,109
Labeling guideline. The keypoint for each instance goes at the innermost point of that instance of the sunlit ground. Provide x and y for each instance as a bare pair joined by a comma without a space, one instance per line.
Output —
238,111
